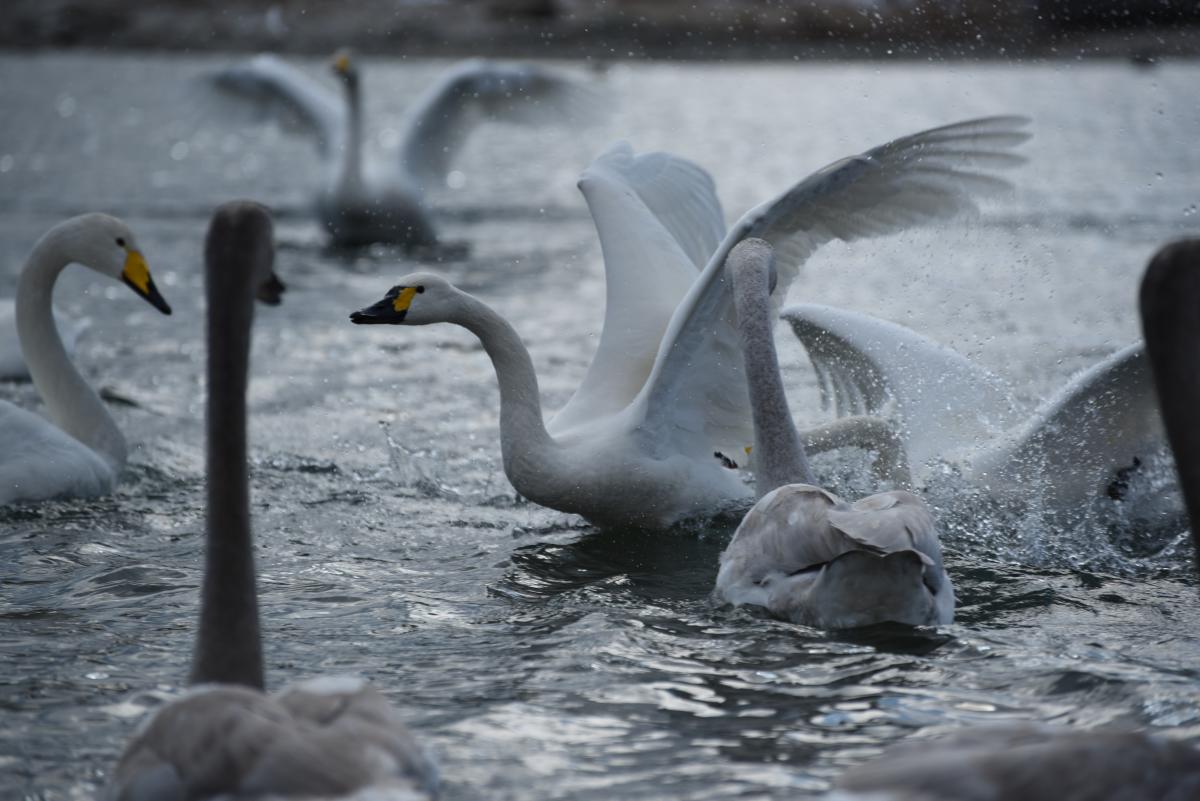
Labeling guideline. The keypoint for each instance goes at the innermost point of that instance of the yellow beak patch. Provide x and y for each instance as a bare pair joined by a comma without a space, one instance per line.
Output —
341,62
137,272
404,299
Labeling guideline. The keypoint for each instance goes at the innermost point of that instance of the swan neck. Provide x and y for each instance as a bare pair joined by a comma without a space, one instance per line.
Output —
779,455
529,452
70,401
228,644
350,176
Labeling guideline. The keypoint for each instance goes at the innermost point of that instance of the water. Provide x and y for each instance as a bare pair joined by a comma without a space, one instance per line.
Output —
538,657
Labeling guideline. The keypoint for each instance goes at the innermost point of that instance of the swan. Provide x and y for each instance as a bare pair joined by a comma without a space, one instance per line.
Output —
12,361
81,453
1102,423
358,205
1029,762
1032,761
801,552
327,737
635,444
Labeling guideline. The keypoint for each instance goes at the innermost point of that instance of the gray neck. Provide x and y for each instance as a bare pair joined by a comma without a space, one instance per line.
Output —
228,644
349,176
531,457
1170,307
778,455
72,404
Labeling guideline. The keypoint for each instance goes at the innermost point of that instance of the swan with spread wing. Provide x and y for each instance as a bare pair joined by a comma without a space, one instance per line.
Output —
361,202
665,390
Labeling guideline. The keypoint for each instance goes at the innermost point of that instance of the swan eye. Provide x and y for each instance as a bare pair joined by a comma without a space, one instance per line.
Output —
420,289
120,241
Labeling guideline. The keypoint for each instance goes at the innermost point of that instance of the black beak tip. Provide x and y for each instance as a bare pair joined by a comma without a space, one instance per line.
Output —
359,317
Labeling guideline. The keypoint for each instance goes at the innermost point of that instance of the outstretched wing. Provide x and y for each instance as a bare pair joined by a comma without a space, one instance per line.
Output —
696,398
294,99
938,399
659,220
1103,421
478,90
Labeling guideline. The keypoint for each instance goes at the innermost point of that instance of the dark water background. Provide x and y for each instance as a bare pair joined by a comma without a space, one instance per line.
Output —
541,658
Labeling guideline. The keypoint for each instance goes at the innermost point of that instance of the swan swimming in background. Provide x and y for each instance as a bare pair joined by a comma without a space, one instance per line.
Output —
1067,453
329,737
82,452
362,203
801,552
665,391
1033,762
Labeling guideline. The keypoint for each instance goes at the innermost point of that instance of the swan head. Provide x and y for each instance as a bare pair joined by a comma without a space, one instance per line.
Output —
241,233
344,66
106,245
419,299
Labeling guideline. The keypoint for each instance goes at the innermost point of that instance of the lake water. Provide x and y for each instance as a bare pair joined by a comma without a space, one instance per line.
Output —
538,657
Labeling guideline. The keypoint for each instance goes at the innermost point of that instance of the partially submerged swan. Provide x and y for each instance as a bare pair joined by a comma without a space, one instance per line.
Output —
665,390
79,451
802,552
1031,762
949,410
329,737
361,203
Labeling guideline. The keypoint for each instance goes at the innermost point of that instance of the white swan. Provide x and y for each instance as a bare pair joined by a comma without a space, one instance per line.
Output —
1068,452
665,390
329,737
360,203
1028,762
82,451
802,552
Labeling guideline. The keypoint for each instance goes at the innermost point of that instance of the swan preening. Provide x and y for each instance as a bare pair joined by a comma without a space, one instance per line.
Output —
802,552
329,737
360,202
1029,762
82,451
948,410
665,389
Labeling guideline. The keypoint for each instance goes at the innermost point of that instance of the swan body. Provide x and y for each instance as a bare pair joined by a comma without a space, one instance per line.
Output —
665,391
332,737
1029,762
1068,451
361,203
803,553
79,451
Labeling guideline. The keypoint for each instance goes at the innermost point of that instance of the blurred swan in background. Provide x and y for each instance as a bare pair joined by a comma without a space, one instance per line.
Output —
359,202
329,737
79,451
1067,453
801,552
665,390
1031,762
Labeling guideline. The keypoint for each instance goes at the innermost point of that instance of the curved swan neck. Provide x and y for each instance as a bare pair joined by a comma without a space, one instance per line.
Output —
73,405
350,177
228,644
527,448
779,456
1170,309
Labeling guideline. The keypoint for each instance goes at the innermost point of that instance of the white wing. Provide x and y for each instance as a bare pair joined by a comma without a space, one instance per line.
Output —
938,399
229,741
291,97
695,398
39,461
1104,420
478,90
659,220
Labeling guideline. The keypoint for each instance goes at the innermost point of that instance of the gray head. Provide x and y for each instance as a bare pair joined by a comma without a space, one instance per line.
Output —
418,299
345,67
240,249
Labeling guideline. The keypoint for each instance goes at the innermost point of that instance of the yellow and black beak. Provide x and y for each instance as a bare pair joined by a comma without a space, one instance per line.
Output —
341,62
137,275
270,292
391,310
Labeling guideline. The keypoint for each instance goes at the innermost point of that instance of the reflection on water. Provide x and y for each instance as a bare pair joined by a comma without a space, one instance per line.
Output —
539,657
